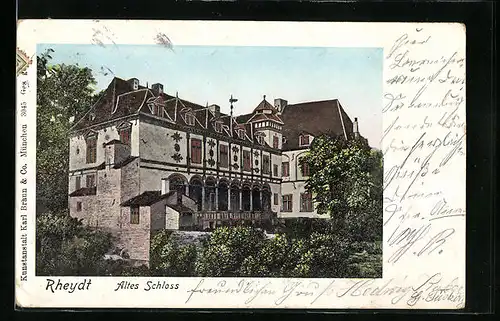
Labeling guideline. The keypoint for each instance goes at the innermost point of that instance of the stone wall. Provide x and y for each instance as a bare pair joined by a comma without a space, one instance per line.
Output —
135,238
172,219
78,145
130,178
158,215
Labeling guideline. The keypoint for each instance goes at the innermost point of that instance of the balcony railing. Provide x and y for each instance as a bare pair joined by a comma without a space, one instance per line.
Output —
228,215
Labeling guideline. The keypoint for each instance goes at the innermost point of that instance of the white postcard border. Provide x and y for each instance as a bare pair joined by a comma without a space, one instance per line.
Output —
420,278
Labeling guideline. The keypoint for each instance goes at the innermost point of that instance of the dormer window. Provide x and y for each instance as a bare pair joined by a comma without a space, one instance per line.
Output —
304,140
190,119
155,109
218,126
135,84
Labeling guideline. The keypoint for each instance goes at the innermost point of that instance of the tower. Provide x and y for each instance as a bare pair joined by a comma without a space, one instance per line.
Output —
266,120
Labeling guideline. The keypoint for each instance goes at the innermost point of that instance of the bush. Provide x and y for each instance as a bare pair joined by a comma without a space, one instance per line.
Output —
280,256
168,258
365,260
226,249
66,247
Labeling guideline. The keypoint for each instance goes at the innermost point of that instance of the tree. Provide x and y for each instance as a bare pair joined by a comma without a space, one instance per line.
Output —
66,247
226,249
64,93
346,181
168,258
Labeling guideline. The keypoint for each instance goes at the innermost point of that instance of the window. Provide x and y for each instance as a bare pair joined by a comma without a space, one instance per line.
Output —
156,110
241,133
275,196
276,143
218,126
224,157
91,180
304,140
246,160
285,169
196,151
260,139
78,182
265,164
190,119
275,170
305,169
125,135
306,202
78,206
91,149
134,215
287,203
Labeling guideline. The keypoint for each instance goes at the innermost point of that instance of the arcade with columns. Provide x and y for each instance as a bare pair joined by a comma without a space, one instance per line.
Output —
223,195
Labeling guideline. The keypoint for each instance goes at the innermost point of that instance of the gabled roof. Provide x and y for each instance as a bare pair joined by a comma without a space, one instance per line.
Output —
145,199
109,106
120,99
317,117
125,162
149,198
180,208
113,142
264,105
84,191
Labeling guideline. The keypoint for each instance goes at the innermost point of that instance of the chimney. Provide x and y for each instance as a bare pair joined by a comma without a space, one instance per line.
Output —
157,87
280,104
134,82
355,128
215,109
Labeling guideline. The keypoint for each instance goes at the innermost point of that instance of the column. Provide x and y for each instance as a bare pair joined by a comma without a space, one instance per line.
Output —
229,198
165,186
261,201
217,198
187,189
203,197
240,192
251,200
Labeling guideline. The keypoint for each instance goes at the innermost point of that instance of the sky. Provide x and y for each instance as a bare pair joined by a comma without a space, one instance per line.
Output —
211,74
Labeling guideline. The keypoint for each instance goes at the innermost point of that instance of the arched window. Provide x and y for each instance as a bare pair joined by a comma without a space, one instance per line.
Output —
223,191
195,191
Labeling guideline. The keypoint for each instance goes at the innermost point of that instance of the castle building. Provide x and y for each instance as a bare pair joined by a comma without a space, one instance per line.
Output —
141,161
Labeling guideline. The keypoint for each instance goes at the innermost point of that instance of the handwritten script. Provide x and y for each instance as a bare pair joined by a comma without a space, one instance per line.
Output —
431,288
424,146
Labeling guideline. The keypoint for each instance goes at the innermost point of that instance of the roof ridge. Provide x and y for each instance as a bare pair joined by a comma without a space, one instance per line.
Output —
314,102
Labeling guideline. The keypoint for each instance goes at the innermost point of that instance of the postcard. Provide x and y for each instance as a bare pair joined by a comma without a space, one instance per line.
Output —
240,164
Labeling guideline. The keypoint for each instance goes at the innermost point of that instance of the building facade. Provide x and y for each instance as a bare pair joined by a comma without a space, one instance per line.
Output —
142,161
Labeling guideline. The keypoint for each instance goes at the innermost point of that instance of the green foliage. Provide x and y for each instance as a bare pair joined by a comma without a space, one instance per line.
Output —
169,258
280,256
64,92
66,247
365,260
226,249
346,181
